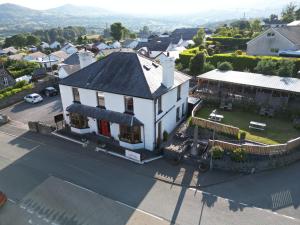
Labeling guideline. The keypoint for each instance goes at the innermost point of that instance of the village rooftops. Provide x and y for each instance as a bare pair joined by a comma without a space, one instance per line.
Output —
286,84
125,73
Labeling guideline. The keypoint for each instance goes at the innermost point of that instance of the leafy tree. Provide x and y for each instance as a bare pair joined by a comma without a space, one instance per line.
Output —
208,67
32,40
116,31
286,68
297,14
241,24
255,25
197,63
266,66
273,18
199,37
288,13
225,66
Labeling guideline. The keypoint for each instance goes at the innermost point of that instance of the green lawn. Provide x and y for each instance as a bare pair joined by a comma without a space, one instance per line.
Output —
278,130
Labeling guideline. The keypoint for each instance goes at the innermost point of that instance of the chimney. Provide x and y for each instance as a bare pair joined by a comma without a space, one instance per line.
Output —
85,59
168,65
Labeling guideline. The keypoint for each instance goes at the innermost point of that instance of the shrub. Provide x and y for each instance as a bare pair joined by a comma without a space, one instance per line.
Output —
243,136
208,67
197,63
238,155
286,68
238,52
230,43
1,96
165,136
266,66
20,84
225,66
217,152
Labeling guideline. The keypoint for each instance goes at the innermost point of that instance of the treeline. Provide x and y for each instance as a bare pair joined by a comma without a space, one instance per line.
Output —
59,34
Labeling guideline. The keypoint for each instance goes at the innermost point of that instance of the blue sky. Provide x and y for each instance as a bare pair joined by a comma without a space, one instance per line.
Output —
157,6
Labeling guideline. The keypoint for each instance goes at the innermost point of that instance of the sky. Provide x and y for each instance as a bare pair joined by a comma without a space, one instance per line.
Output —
156,6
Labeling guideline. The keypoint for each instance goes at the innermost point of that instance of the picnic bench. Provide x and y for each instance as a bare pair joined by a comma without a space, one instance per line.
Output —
257,125
215,117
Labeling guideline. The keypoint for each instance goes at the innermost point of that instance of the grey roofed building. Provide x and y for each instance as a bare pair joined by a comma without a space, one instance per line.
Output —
71,68
159,44
286,84
125,73
184,33
292,33
6,79
72,59
39,72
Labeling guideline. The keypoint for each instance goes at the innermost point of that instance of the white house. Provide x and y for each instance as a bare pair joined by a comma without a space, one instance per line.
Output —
102,46
74,63
69,48
274,40
126,97
115,44
59,56
44,45
55,45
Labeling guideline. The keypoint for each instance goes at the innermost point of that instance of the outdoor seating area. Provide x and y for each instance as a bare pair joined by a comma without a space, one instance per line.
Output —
266,130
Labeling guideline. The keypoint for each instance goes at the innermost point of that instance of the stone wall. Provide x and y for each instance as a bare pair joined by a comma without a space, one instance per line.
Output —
20,95
39,127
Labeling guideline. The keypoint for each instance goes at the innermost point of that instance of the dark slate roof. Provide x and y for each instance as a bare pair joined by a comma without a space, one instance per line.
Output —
72,59
124,73
159,44
39,72
103,114
290,32
184,33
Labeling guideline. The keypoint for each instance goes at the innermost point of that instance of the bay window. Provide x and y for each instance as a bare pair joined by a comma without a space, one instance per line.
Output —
130,134
78,121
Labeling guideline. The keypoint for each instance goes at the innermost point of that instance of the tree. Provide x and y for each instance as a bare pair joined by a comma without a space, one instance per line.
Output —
197,63
266,66
297,14
241,24
273,17
208,67
32,40
255,25
285,68
224,66
199,37
288,13
116,31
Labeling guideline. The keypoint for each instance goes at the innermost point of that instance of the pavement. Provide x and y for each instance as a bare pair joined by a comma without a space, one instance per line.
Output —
23,112
37,171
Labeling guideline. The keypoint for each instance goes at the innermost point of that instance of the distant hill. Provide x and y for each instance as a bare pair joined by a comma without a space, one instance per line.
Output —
16,19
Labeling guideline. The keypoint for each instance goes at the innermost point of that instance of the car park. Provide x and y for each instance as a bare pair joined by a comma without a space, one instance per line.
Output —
49,91
33,98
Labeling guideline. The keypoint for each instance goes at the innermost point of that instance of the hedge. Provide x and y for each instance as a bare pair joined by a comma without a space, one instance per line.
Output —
13,90
239,62
231,42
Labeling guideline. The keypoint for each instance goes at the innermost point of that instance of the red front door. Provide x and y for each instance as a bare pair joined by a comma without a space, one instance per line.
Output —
104,128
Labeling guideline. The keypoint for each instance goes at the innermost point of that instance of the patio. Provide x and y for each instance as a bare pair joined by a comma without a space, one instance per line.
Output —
278,130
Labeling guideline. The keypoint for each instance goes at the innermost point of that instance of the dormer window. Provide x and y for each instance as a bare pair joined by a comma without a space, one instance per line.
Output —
100,99
76,96
128,101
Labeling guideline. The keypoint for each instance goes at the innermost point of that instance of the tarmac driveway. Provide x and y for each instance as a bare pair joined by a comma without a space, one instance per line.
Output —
43,111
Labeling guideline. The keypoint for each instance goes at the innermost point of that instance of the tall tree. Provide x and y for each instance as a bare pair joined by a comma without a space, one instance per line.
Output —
288,13
255,25
116,31
32,40
199,37
197,63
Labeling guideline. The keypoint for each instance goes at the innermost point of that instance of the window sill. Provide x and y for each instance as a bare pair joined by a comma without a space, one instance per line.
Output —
100,107
77,102
129,142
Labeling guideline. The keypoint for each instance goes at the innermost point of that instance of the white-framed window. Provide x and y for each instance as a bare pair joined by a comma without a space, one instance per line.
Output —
5,81
128,101
178,93
100,99
76,96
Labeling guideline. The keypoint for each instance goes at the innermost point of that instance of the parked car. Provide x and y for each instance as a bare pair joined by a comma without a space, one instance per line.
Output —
33,98
3,199
49,91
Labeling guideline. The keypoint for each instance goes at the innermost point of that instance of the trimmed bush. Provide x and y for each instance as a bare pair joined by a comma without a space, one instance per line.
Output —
225,66
217,152
238,155
165,136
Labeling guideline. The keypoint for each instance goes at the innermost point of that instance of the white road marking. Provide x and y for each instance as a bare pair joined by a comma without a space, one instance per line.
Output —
13,201
247,205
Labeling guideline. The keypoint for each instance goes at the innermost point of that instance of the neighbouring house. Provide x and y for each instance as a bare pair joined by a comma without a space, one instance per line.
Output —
39,73
35,57
59,56
263,90
129,43
74,63
184,36
10,50
275,40
273,24
55,45
115,44
101,46
69,48
32,48
2,52
17,57
6,79
44,45
126,97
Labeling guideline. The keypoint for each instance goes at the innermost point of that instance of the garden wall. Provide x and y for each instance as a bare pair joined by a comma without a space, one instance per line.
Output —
20,95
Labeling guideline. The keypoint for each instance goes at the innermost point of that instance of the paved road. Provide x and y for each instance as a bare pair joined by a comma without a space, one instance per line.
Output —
44,111
33,158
